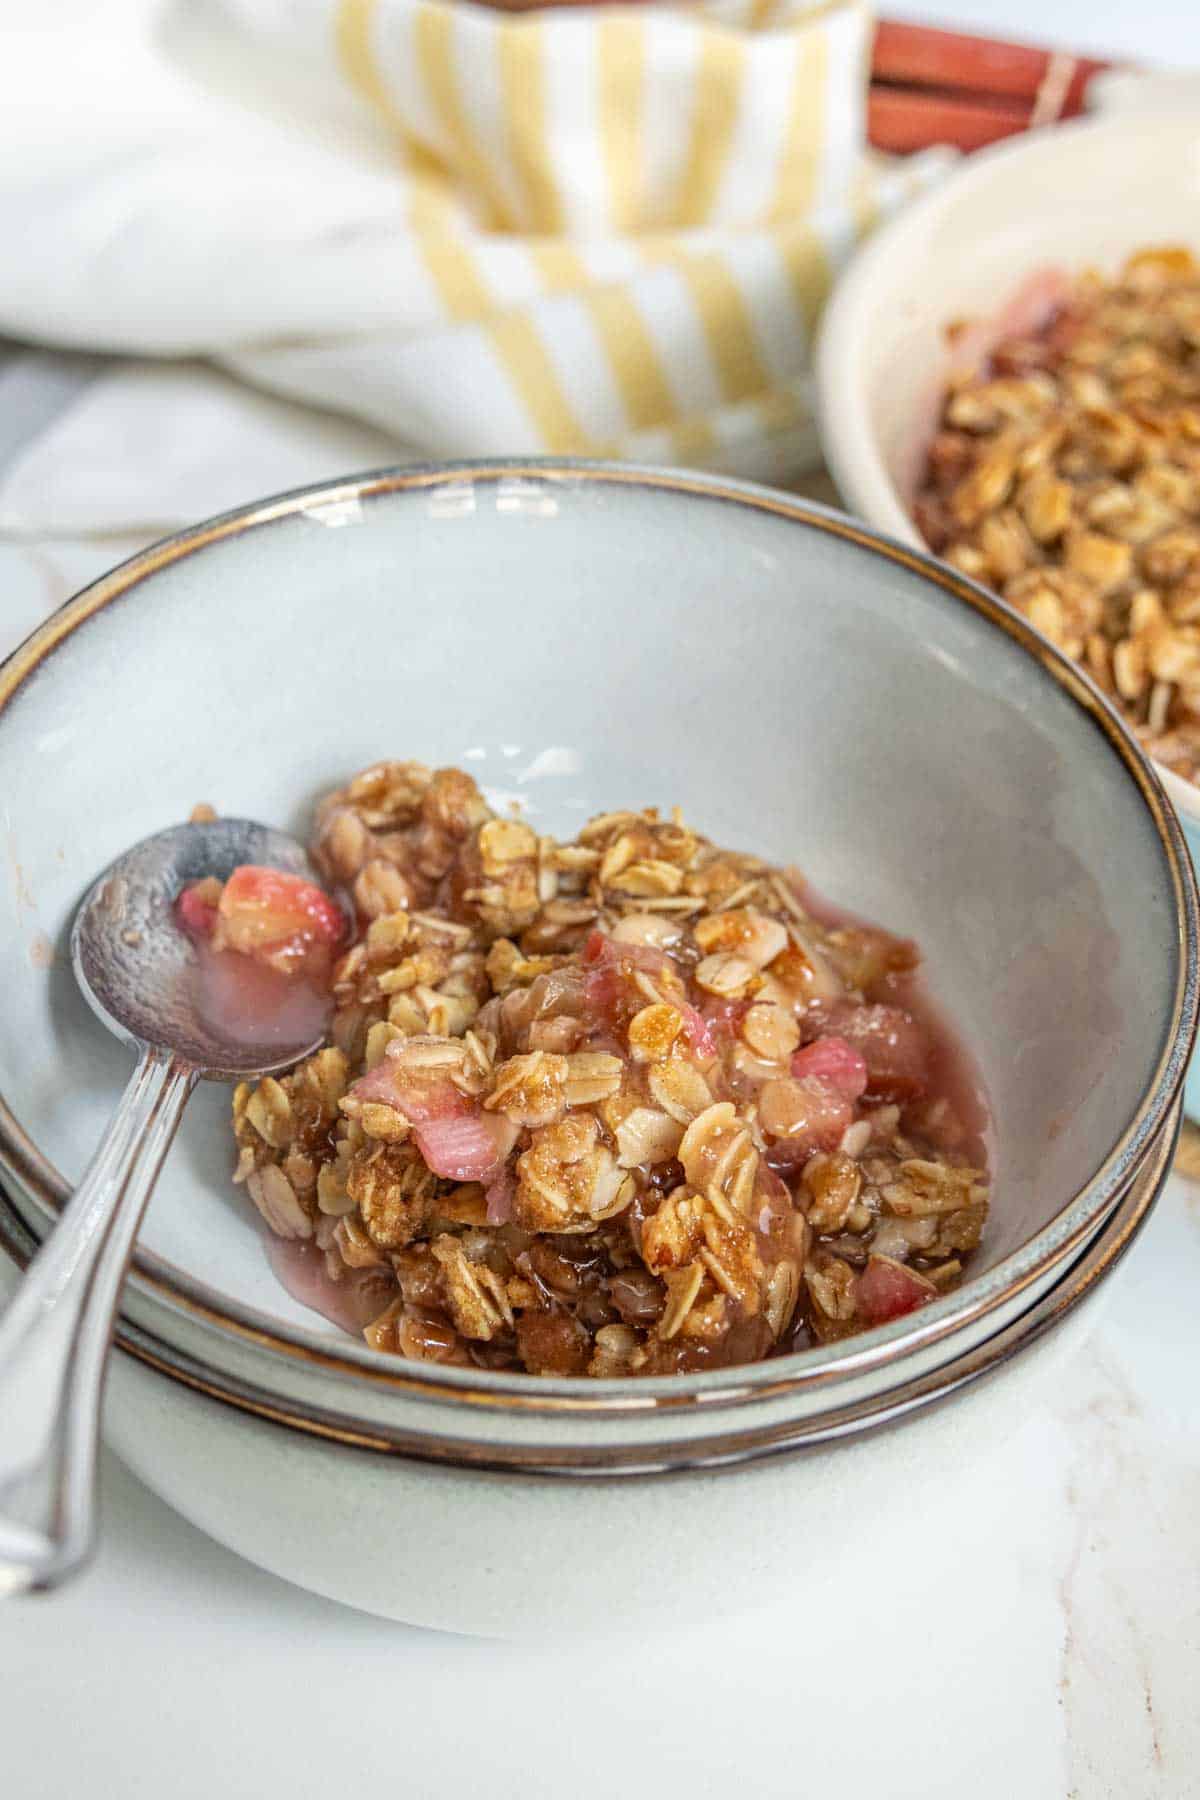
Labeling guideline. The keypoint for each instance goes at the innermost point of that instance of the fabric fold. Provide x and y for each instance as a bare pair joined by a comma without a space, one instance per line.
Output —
600,230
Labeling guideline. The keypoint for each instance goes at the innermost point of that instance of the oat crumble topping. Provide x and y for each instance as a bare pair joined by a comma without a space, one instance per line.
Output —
1066,474
619,1106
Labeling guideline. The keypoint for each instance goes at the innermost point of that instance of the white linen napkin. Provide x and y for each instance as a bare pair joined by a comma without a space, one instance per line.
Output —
595,230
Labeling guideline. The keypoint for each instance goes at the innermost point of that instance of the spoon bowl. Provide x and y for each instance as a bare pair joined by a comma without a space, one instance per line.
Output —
138,970
146,979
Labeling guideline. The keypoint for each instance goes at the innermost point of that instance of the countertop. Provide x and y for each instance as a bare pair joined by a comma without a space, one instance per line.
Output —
1041,1638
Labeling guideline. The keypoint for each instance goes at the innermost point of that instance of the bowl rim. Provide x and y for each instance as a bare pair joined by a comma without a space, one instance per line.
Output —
581,1397
850,447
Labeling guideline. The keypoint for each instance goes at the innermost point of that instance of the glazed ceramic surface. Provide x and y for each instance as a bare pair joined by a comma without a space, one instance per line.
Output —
1111,186
580,637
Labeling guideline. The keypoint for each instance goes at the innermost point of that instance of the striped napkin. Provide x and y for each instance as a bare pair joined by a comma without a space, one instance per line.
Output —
621,223
594,230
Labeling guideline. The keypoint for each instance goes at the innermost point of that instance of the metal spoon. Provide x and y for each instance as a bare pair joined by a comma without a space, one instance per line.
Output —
138,972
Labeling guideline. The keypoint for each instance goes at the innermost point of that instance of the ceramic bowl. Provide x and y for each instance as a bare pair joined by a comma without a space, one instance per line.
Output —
1079,195
578,636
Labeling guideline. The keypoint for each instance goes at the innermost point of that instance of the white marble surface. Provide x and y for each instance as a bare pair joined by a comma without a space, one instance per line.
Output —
1041,1639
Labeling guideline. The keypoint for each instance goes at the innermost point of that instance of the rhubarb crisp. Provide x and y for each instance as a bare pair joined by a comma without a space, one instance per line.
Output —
1066,474
625,1105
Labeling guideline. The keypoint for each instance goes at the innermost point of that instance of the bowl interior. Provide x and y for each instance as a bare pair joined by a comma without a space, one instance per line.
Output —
580,641
1081,195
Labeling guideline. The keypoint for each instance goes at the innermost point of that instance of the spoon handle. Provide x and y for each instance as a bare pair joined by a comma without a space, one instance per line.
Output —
55,1335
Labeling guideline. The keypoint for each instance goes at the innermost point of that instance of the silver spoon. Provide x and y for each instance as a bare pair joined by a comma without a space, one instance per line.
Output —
137,970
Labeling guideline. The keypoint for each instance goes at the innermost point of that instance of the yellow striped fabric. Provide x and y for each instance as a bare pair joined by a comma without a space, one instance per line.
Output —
620,223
